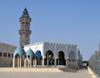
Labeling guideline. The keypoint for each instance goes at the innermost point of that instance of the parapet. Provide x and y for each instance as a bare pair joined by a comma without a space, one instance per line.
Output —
72,45
53,43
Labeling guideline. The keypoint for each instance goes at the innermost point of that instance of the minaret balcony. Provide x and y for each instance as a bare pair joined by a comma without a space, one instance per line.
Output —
24,31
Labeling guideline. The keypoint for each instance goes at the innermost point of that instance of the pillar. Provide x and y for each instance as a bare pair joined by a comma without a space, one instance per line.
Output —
38,63
25,62
20,62
47,58
13,62
35,63
66,61
47,62
43,61
30,62
51,58
55,62
58,61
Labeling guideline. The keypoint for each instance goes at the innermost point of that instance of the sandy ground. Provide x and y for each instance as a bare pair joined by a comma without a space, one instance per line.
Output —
82,73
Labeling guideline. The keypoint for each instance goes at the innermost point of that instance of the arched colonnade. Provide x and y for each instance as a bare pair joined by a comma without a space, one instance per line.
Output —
31,59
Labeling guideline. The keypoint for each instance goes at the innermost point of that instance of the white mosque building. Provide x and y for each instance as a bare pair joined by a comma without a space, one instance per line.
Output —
43,53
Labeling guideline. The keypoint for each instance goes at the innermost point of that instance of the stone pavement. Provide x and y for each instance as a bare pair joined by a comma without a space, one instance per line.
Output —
82,73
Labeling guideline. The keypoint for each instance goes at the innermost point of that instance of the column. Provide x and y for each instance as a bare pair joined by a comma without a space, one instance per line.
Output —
30,62
66,61
47,62
35,63
20,62
25,62
13,62
43,62
38,62
47,59
58,61
51,58
55,62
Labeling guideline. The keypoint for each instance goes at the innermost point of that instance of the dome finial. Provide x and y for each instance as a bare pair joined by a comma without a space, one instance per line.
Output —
25,9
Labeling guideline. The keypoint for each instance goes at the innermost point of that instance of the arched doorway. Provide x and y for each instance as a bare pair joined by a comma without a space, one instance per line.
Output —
17,59
61,58
49,58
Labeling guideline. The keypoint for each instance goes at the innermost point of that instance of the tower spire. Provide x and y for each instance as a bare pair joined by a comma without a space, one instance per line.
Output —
25,28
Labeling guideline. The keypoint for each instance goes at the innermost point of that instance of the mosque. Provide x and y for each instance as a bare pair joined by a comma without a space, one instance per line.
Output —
43,53
40,53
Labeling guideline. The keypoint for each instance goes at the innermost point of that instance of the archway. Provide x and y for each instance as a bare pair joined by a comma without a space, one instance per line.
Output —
61,58
17,58
38,57
72,56
49,58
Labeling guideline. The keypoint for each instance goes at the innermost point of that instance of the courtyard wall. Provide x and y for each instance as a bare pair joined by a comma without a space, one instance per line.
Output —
94,63
6,54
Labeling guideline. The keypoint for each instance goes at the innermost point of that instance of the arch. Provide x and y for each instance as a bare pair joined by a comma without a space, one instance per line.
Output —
20,51
61,58
49,58
28,56
17,56
72,56
38,55
39,60
30,53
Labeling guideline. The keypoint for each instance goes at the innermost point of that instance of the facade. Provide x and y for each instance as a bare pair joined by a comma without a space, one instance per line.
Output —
56,53
6,54
48,54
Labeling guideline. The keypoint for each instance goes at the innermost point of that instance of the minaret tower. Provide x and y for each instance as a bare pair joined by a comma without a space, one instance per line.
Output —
25,28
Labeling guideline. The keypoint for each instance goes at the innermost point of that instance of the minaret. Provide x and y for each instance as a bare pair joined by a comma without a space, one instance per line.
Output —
25,28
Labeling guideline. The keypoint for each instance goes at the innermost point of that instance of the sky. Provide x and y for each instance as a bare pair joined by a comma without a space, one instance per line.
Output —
62,21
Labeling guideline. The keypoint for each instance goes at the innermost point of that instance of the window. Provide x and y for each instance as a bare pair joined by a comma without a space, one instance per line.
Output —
0,54
8,54
5,54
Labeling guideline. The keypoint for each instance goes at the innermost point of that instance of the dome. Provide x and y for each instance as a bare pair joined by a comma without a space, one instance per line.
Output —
25,14
20,51
30,53
38,55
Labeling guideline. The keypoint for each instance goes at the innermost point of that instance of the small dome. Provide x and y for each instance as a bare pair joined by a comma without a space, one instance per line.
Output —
25,14
38,55
19,51
25,9
30,53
